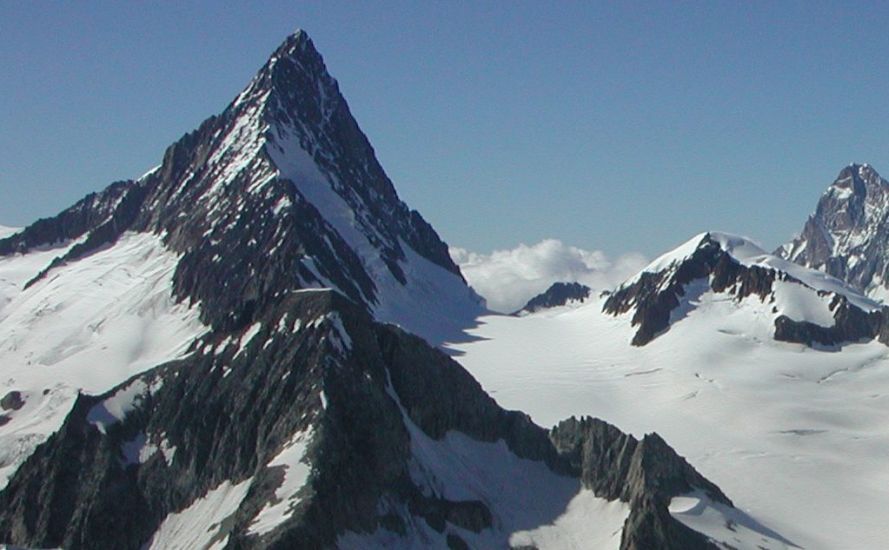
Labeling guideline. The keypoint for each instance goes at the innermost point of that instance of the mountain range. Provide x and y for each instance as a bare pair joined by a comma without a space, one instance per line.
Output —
257,344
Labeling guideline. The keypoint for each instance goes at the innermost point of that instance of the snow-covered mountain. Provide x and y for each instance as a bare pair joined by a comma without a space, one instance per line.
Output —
279,193
207,357
848,235
283,181
795,303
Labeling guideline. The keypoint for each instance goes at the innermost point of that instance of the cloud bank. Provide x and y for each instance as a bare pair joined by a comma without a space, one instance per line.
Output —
7,231
507,279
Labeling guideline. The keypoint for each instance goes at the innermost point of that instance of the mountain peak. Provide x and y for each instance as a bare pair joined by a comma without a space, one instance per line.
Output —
558,294
296,46
857,178
848,235
282,182
292,84
717,263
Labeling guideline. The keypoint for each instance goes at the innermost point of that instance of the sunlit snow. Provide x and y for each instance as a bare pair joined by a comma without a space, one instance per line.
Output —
201,525
796,435
89,326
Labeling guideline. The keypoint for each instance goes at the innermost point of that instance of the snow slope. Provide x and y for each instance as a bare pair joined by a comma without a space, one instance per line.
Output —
7,231
798,435
87,326
296,473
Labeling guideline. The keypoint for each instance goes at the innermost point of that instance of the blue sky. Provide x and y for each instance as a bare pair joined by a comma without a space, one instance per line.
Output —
624,126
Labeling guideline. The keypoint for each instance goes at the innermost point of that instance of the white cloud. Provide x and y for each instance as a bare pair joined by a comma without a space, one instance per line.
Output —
7,231
507,279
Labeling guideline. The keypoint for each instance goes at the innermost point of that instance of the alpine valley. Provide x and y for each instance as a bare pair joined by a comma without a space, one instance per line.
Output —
257,344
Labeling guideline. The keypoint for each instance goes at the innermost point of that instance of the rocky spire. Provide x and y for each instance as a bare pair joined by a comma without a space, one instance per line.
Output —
848,235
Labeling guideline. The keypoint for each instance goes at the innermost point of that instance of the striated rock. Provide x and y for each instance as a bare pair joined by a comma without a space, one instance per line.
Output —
647,474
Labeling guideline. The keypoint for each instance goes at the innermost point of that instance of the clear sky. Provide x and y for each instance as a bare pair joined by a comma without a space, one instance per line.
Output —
623,126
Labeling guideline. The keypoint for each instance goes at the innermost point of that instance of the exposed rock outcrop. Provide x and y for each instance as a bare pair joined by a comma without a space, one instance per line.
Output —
647,474
558,294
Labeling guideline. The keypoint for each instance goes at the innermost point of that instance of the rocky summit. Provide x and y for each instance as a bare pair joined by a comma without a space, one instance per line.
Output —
279,192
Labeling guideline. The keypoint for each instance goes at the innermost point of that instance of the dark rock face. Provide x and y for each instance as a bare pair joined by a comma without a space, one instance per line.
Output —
851,325
848,235
556,295
12,401
227,415
94,210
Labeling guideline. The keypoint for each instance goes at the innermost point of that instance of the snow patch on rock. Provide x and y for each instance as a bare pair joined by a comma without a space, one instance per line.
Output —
202,524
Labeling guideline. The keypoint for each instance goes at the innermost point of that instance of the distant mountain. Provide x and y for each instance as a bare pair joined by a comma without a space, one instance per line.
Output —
848,235
239,350
802,304
558,294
